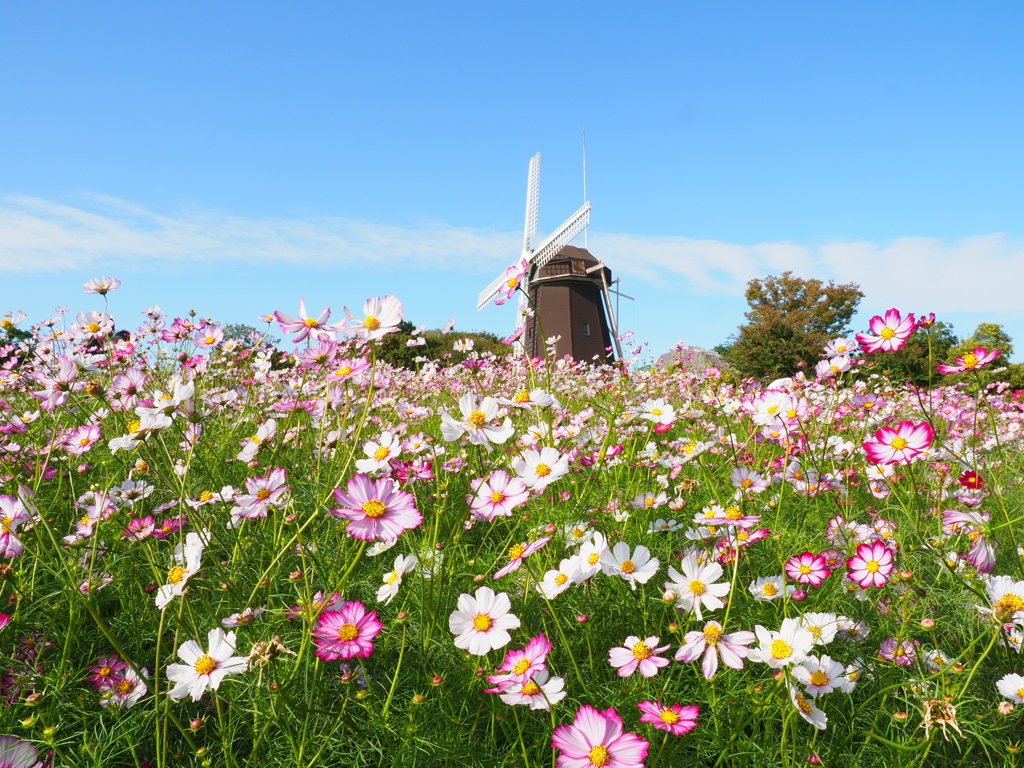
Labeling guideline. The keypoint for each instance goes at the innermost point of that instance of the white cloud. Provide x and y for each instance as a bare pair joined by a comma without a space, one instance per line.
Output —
975,274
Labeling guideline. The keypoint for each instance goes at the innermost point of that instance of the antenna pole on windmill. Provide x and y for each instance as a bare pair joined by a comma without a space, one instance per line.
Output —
584,181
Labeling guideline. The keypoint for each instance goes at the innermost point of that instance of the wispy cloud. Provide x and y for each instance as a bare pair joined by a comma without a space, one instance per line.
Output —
974,274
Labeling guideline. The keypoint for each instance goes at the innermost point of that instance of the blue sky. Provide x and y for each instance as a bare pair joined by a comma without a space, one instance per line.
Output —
234,157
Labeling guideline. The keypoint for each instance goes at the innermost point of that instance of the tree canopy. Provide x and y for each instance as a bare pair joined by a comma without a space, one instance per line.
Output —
789,322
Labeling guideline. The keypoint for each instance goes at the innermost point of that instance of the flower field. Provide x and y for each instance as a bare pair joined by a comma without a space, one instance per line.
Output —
216,553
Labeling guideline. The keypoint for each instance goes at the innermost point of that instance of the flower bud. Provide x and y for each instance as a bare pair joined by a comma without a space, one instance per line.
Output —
196,724
582,618
901,716
294,575
550,528
813,759
1004,708
418,698
402,616
436,680
673,627
479,577
362,695
289,519
799,595
33,698
669,596
927,623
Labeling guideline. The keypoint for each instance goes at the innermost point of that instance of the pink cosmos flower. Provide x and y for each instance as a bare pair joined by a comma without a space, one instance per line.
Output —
106,672
976,358
539,692
13,515
79,440
638,653
101,285
263,493
902,652
346,633
900,445
376,509
888,334
596,740
674,718
807,568
513,276
498,495
520,665
519,552
711,642
871,565
305,326
15,753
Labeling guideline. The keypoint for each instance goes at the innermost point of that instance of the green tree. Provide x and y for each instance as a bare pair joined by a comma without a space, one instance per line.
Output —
789,322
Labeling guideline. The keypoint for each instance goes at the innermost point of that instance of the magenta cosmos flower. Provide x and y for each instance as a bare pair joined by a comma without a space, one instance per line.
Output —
674,718
888,334
596,740
871,565
638,653
976,358
376,509
900,445
521,664
346,633
807,568
519,552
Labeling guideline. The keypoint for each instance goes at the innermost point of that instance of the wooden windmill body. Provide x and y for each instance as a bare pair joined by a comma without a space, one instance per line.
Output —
568,288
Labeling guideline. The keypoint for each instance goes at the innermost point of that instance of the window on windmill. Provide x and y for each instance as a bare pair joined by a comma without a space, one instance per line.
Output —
579,267
586,329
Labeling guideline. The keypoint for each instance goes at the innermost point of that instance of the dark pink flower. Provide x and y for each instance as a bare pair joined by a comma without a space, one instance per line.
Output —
871,565
976,358
674,718
900,445
807,568
888,334
346,633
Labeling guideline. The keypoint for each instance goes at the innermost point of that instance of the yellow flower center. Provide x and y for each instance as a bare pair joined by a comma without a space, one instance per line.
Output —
391,578
733,513
543,470
381,453
497,497
371,323
887,333
204,665
656,411
205,496
598,756
531,689
769,590
627,566
343,371
804,569
712,634
262,494
6,523
641,651
93,328
477,419
802,702
560,579
124,687
1007,605
511,282
780,649
310,322
516,551
970,361
773,408
374,508
577,533
898,444
348,632
211,340
819,678
520,666
482,622
176,574
104,671
592,558
522,396
697,588
6,323
815,632
871,566
668,717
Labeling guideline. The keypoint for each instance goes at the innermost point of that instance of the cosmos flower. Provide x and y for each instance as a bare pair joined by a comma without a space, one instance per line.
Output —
538,692
807,709
638,654
807,568
381,317
187,557
790,645
15,753
636,567
900,445
376,509
976,358
871,565
205,669
346,633
393,578
819,676
477,422
696,586
127,691
712,643
674,718
481,622
513,276
538,469
596,740
888,334
498,495
519,665
1012,687
519,552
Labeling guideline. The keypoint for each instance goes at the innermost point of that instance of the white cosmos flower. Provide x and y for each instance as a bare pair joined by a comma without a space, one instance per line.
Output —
636,567
538,469
482,621
477,418
770,588
820,676
557,580
695,587
379,453
789,645
822,626
187,557
658,411
205,669
1012,687
808,711
590,556
393,578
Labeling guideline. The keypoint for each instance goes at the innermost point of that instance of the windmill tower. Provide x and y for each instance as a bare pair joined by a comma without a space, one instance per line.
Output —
567,287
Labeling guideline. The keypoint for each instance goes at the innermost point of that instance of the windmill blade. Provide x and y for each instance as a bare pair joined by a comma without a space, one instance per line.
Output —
532,203
561,237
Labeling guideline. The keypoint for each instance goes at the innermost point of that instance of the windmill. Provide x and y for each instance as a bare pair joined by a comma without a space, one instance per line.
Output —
568,287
